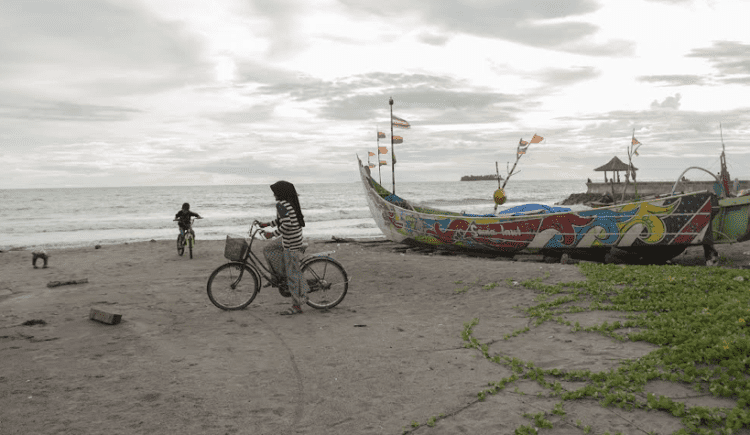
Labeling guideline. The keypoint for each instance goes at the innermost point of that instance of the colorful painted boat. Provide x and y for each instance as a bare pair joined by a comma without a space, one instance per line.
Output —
650,230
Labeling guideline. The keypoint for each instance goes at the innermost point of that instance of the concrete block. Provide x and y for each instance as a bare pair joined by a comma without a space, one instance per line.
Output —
104,316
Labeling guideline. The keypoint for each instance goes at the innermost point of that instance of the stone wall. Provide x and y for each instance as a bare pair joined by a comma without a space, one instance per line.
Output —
658,187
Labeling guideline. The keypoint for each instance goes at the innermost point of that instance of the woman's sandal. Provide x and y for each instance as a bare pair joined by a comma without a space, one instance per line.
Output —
291,311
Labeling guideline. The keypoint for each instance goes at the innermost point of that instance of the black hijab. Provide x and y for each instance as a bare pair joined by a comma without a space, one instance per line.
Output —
285,190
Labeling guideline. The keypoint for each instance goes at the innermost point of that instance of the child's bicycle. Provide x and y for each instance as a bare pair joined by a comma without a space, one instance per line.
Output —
186,238
234,285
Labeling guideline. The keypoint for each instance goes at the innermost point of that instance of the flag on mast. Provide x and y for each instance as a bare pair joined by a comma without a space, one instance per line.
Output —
371,154
383,163
398,139
382,150
633,143
536,139
400,123
381,135
522,147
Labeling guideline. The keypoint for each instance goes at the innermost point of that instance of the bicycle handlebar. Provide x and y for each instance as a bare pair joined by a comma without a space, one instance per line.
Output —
255,229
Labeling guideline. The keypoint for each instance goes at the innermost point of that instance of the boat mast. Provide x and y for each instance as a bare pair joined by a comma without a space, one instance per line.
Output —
393,161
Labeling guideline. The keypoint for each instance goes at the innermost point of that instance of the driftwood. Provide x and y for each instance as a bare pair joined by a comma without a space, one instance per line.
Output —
59,283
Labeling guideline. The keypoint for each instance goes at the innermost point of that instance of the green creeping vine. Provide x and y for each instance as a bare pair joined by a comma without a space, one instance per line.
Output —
698,316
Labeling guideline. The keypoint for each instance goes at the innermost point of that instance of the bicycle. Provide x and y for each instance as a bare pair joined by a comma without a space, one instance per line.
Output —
186,238
234,285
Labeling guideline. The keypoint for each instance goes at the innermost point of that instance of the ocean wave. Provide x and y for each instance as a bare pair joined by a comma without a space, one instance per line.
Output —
81,216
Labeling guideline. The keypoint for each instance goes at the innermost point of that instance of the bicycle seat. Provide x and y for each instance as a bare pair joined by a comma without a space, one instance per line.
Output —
304,247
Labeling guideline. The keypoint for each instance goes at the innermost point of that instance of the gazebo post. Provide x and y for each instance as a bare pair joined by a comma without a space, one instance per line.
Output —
605,177
618,177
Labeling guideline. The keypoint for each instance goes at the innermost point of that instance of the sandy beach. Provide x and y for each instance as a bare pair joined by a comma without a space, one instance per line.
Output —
390,354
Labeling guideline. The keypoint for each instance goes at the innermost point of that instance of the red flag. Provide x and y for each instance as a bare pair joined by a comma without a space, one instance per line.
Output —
371,154
382,150
398,139
381,135
536,139
400,123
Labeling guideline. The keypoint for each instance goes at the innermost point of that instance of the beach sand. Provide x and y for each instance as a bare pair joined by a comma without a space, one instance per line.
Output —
391,353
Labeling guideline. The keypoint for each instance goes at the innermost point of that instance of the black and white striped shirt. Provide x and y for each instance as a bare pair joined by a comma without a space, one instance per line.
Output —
287,226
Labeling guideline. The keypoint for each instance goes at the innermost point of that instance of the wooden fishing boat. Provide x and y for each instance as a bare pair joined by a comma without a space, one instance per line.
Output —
653,230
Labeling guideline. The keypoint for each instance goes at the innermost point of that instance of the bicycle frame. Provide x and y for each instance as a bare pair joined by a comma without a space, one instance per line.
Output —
251,259
187,233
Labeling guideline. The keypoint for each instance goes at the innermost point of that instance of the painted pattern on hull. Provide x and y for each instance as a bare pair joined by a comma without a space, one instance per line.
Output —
676,220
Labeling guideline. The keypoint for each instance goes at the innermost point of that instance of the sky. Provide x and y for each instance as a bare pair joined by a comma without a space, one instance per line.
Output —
97,93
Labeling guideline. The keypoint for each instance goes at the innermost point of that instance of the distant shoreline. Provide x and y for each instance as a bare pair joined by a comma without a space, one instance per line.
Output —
479,177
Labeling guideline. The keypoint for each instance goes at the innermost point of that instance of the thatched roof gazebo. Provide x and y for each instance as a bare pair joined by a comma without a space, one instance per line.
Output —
614,165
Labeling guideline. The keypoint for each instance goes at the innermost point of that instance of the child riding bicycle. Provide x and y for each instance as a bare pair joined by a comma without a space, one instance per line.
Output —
183,219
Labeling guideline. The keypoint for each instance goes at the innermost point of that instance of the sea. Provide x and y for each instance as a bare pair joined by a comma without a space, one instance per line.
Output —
72,217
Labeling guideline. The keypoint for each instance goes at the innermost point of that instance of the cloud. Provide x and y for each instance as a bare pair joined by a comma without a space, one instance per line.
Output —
730,58
672,2
537,23
431,38
95,46
675,80
563,77
64,111
668,103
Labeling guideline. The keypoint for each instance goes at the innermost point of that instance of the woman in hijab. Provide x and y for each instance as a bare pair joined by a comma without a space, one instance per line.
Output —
283,254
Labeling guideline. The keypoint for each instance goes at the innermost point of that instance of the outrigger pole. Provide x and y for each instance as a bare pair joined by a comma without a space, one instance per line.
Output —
723,159
377,134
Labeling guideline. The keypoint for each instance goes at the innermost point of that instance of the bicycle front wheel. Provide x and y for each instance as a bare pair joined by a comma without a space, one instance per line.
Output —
327,280
190,246
232,286
180,245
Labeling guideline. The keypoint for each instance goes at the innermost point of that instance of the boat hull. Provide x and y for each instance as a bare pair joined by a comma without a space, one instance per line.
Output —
732,222
663,226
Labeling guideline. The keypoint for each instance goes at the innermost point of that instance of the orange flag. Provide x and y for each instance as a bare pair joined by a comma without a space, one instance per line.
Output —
381,135
398,139
370,153
383,163
536,139
383,150
400,123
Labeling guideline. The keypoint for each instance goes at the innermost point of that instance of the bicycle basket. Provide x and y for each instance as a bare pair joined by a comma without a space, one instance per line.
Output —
235,248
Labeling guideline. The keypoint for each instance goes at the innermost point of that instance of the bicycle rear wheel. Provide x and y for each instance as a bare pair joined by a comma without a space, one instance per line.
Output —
327,280
180,245
232,286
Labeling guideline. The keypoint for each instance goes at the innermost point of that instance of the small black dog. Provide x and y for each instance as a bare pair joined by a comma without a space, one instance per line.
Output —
39,254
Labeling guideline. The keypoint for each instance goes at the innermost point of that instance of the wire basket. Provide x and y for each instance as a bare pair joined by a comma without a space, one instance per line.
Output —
235,248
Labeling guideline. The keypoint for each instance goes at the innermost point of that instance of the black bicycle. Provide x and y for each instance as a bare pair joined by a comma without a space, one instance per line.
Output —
186,238
234,285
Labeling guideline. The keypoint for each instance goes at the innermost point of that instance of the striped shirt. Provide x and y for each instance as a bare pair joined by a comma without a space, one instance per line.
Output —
287,226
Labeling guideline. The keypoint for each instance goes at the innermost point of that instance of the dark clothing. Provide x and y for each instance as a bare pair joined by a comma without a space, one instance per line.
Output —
184,218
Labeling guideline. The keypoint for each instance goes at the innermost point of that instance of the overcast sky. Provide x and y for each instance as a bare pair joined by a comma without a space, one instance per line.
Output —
176,92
